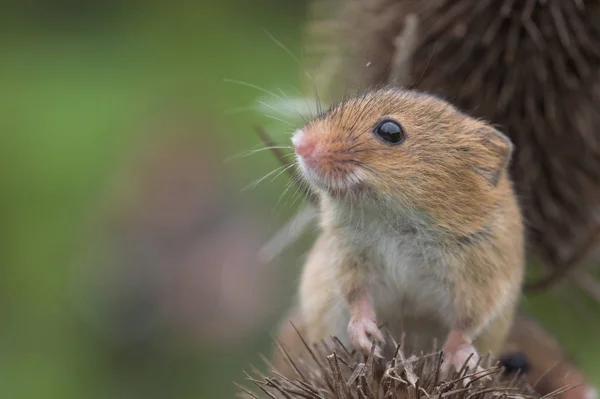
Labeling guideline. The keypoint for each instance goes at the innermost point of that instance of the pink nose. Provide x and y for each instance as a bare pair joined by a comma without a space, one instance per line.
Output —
304,148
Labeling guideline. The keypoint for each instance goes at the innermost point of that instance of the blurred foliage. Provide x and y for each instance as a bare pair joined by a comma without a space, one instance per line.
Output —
79,80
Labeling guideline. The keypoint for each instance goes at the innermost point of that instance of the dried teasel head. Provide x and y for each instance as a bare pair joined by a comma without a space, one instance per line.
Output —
329,370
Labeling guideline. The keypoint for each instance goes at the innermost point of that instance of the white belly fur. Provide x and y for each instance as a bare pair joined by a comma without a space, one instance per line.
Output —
411,294
408,284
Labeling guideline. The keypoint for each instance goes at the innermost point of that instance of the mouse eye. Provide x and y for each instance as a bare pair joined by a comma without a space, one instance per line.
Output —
390,132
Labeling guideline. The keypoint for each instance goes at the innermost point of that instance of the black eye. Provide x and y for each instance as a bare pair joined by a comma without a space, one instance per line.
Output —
390,131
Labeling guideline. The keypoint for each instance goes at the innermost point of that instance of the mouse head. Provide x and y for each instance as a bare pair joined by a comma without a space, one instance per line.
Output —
401,149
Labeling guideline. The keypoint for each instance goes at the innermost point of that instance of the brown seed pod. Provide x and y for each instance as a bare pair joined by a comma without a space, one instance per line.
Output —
530,67
330,370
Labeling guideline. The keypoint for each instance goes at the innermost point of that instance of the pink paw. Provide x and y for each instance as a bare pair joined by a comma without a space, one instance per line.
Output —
362,331
465,353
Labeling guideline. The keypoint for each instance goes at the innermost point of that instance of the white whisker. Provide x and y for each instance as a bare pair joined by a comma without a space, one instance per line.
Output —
258,181
251,152
265,104
253,86
289,184
287,50
305,100
278,119
317,102
287,168
277,42
299,192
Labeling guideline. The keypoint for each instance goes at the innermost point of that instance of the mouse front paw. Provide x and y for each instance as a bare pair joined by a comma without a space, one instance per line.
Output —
463,355
457,358
362,331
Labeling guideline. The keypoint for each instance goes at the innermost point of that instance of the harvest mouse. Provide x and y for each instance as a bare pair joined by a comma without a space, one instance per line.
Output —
420,228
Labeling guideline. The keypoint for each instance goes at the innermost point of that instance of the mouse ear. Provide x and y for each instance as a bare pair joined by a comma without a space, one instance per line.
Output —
495,155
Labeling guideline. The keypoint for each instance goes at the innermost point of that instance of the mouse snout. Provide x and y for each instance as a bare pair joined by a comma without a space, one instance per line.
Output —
324,162
304,146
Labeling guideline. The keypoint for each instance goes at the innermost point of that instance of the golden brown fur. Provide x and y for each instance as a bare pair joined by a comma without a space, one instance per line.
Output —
424,236
453,161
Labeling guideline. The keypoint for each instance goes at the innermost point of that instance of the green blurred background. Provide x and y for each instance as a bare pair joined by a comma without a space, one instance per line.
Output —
127,247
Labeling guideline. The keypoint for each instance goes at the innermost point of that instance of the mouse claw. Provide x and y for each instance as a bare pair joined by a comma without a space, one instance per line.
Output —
362,331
